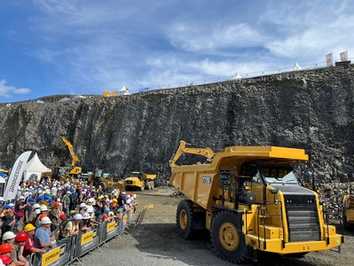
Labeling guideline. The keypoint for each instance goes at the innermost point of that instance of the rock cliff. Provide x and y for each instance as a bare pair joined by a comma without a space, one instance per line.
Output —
312,109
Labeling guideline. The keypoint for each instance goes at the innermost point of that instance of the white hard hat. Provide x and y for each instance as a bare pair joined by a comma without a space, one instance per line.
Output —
45,220
8,235
78,217
44,208
86,216
91,200
36,206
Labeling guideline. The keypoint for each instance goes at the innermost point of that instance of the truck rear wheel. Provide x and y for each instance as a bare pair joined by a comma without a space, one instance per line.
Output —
227,238
184,218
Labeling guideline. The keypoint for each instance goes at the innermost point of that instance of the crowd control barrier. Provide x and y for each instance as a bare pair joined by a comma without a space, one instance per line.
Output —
72,248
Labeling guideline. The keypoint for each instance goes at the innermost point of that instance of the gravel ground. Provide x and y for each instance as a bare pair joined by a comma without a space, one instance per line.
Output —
155,242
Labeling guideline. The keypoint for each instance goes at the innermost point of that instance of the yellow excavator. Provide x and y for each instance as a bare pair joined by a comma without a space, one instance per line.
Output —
250,201
140,181
75,169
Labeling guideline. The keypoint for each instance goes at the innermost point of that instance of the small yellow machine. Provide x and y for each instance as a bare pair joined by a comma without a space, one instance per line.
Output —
348,211
139,180
75,170
249,199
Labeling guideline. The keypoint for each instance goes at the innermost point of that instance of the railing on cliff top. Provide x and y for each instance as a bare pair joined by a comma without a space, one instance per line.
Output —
240,76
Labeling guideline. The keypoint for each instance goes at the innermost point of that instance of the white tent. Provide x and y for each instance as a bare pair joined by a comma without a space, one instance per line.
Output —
35,168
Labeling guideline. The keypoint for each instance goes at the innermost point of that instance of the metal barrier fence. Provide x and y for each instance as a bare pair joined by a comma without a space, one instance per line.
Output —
72,248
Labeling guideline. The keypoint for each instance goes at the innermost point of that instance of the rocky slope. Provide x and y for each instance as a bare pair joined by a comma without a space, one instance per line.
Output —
311,109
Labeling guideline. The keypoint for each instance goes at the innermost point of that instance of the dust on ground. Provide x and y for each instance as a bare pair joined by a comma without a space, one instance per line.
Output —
155,242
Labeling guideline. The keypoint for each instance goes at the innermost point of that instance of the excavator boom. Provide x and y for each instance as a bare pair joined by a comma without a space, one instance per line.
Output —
74,157
183,149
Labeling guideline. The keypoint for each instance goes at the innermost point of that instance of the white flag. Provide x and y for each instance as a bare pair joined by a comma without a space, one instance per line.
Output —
16,175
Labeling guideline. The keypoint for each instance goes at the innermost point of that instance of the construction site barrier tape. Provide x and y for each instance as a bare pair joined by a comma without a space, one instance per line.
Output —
72,248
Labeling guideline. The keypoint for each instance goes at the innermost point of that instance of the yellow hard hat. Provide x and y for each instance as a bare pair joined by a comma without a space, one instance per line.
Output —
29,228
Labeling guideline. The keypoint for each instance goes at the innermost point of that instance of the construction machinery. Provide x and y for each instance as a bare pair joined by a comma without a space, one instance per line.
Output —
249,199
74,170
348,211
140,181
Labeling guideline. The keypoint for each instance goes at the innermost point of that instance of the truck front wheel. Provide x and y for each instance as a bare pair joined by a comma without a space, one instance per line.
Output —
184,217
227,238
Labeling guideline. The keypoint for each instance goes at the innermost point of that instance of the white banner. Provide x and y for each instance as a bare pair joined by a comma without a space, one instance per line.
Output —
16,175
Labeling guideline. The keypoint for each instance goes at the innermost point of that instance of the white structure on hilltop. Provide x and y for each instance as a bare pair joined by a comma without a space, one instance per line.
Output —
297,67
237,76
124,90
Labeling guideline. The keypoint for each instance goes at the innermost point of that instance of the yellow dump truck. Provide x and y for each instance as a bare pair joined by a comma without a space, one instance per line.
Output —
140,181
348,211
249,199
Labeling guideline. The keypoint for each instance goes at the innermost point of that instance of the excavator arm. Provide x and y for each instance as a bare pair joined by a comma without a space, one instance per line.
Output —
74,157
183,149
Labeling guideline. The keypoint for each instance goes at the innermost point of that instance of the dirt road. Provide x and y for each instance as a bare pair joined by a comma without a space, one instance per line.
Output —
155,242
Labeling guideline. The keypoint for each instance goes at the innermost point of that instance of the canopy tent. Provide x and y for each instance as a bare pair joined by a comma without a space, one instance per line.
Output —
35,168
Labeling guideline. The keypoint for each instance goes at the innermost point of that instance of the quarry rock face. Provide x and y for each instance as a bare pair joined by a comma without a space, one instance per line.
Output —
309,109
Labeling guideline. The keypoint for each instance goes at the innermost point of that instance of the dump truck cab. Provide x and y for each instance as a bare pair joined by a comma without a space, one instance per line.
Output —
348,211
249,198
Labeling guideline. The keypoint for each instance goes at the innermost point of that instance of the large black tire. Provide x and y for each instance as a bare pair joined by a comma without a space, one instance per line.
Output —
227,239
184,219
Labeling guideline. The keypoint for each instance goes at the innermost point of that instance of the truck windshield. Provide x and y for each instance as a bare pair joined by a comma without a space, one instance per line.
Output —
281,176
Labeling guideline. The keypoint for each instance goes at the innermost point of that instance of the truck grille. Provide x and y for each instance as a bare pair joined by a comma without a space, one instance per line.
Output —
302,215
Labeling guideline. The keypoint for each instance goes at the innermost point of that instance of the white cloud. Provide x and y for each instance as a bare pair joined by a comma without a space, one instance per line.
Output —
199,38
311,30
109,45
174,71
7,90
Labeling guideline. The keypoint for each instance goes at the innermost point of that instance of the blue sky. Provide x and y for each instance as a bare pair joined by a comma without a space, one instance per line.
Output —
83,47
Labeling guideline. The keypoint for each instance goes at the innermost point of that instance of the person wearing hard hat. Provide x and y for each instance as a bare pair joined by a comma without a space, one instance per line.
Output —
29,247
72,227
43,235
20,239
44,213
5,254
9,238
35,211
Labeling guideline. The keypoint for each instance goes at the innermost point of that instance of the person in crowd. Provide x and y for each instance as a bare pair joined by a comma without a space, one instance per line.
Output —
8,219
72,227
35,212
9,238
29,247
20,212
67,202
54,216
20,239
5,254
43,235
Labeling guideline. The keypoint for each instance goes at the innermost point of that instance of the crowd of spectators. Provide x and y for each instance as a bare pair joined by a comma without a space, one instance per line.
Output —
47,211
